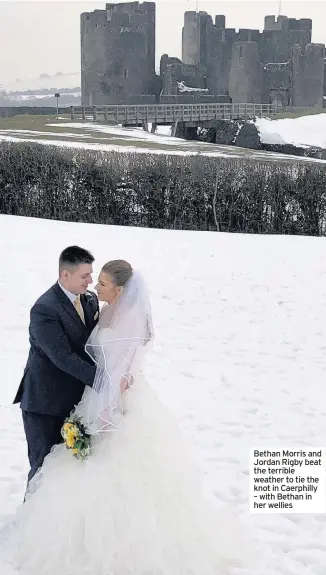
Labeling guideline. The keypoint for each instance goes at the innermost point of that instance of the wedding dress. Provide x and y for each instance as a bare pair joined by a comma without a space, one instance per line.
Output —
135,505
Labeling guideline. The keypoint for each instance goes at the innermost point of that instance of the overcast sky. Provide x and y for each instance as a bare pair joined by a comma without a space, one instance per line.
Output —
43,36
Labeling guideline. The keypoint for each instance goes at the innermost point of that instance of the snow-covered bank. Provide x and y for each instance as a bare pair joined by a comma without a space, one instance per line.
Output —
304,131
239,354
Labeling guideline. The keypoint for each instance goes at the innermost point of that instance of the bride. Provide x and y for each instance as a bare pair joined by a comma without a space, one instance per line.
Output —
134,506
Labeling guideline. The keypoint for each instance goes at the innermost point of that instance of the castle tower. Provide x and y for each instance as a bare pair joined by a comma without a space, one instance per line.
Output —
308,69
117,53
191,39
245,74
194,38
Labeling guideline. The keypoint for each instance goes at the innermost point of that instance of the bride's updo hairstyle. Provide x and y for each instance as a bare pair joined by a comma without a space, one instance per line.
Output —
119,271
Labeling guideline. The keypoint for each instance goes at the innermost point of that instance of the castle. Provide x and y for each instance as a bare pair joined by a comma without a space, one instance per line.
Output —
279,65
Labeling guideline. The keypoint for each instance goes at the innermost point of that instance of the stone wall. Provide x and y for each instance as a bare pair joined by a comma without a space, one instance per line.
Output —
308,76
277,84
211,45
278,64
118,53
245,76
193,98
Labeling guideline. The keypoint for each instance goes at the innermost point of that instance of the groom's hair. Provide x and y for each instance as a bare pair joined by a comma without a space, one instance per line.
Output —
74,256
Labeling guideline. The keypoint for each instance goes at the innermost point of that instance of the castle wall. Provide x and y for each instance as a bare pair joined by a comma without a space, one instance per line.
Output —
193,98
171,77
245,74
279,37
277,65
118,53
279,23
166,61
212,47
220,22
308,67
277,83
274,47
220,44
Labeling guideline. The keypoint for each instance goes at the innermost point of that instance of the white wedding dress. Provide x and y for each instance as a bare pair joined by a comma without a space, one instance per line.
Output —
134,507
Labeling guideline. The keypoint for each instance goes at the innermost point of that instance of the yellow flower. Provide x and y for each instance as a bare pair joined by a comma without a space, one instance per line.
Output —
70,439
75,451
67,426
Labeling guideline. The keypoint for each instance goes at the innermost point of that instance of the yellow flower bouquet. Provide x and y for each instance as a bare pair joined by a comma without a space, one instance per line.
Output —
76,437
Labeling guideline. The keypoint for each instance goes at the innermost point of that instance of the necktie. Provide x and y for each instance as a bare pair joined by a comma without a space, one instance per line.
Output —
79,308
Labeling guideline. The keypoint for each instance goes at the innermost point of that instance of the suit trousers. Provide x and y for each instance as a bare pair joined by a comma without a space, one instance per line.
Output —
42,433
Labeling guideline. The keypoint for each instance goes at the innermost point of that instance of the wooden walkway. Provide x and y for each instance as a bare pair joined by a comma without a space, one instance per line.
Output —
171,113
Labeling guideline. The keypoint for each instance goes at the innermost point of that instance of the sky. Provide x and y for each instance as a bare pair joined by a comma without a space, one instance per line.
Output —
43,36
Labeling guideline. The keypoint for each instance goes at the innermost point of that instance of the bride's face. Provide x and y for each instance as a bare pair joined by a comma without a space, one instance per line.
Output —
106,289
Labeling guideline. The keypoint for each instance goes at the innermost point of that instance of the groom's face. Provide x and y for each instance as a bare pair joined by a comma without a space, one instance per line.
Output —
77,278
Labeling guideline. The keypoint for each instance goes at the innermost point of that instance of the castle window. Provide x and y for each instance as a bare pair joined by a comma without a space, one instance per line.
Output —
240,52
125,73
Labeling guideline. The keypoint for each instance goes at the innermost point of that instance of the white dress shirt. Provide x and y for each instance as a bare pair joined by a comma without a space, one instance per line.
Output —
71,296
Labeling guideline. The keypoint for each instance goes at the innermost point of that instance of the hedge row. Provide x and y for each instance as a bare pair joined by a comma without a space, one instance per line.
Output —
161,191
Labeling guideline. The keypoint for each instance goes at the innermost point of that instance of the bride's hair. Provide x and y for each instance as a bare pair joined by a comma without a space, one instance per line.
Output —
120,271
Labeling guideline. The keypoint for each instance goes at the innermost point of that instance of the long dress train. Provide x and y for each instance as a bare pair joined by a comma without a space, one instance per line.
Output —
134,507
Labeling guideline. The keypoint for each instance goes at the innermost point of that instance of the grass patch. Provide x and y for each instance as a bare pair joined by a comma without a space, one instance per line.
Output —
30,122
37,127
299,113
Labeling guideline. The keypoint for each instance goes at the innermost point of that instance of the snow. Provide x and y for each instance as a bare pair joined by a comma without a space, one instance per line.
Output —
118,131
133,140
305,131
239,355
18,97
183,88
123,148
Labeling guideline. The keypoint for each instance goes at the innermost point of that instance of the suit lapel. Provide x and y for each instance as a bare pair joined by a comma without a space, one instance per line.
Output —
68,306
88,312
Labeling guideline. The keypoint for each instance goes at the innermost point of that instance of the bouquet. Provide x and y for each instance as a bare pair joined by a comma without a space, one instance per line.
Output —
76,437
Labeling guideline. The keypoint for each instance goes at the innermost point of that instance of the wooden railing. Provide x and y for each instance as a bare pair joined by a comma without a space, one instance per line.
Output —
171,113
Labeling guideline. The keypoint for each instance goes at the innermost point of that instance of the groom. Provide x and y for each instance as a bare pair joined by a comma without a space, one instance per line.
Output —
58,368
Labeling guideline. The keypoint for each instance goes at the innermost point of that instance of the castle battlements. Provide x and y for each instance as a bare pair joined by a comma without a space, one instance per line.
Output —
277,64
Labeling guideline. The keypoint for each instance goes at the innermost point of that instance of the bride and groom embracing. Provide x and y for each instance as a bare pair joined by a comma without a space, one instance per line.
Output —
134,505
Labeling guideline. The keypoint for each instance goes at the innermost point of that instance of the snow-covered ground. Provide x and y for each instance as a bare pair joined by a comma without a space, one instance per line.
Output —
304,131
106,138
22,99
240,355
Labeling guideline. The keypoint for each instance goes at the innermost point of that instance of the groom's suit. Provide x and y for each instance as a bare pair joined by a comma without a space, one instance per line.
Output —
57,369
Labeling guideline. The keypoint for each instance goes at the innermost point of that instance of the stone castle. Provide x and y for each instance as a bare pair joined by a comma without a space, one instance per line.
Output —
279,65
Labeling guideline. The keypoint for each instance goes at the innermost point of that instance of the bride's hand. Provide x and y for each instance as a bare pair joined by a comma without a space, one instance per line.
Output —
126,383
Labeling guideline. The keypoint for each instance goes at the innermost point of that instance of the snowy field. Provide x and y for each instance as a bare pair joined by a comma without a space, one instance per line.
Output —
301,132
240,355
93,136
